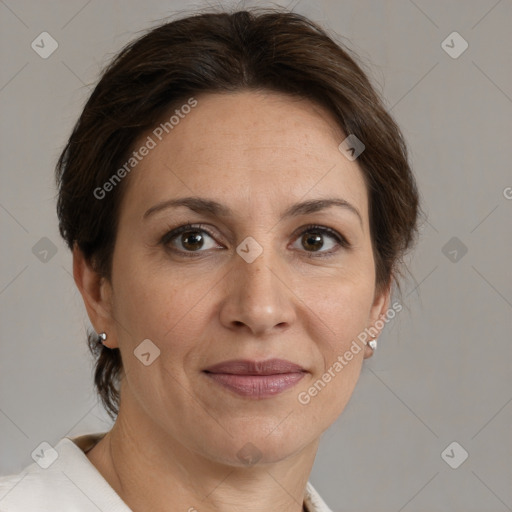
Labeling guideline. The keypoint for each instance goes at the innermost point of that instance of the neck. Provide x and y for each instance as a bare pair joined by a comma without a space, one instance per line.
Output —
149,468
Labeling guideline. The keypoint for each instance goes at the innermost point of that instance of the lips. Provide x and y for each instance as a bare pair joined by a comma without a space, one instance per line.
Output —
256,379
247,367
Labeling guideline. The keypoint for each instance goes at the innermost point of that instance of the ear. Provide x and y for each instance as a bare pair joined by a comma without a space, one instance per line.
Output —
378,311
96,293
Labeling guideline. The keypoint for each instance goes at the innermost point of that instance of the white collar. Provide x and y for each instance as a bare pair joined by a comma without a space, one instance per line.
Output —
72,482
312,500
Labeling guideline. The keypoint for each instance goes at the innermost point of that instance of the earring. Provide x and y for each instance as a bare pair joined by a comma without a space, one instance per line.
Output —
373,344
102,337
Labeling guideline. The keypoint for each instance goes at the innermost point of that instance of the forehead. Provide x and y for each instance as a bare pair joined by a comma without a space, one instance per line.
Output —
247,148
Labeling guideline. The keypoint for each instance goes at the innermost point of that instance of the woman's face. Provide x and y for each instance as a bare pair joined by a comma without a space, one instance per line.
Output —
252,283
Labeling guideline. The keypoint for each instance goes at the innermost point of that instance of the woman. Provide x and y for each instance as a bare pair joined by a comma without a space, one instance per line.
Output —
238,203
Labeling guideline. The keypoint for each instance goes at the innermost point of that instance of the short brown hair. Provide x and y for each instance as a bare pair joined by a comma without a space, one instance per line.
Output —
260,49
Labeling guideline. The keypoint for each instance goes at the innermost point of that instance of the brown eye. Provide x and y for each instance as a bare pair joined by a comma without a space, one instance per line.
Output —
188,239
321,240
312,242
192,240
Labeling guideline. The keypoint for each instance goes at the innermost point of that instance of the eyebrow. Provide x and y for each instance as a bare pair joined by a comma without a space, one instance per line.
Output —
209,206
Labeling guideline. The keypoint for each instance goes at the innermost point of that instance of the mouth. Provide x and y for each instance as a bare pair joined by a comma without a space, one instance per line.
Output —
256,379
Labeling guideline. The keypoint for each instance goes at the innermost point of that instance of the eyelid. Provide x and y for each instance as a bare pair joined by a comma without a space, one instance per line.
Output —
340,239
174,232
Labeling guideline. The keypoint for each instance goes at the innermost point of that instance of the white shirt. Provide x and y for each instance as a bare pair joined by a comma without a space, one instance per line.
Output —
64,480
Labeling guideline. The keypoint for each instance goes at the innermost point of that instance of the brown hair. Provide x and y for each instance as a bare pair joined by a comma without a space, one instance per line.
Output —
260,49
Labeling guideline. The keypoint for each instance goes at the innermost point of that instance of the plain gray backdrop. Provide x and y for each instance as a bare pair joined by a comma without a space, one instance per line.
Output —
443,370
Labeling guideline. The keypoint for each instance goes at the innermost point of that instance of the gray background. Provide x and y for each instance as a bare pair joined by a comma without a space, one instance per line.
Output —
442,371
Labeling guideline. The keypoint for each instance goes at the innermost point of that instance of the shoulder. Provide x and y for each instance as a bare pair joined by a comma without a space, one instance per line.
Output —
62,479
314,502
34,489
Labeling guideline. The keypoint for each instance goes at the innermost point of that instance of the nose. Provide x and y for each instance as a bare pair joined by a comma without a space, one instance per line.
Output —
258,299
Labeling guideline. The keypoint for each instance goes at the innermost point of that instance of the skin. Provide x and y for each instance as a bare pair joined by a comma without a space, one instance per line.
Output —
175,442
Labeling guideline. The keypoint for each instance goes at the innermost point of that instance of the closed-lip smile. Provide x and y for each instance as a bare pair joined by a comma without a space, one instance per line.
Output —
256,379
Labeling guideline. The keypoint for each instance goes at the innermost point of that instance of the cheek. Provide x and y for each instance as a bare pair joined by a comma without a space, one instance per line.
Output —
141,301
160,304
343,304
341,315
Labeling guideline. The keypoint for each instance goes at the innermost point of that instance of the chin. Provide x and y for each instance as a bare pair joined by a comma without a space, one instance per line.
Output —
263,442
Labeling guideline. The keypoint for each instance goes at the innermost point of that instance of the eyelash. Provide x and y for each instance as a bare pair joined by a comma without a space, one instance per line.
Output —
340,239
